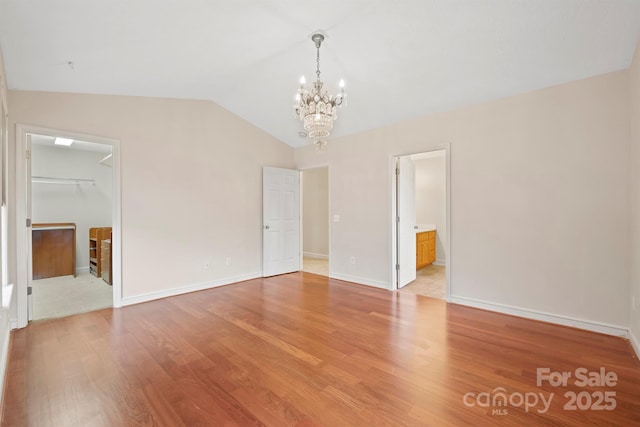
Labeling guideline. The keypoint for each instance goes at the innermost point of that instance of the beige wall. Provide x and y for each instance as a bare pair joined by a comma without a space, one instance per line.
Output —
315,212
191,177
634,74
539,209
540,192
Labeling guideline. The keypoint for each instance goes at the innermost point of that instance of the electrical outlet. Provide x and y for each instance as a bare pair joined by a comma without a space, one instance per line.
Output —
227,261
207,263
353,260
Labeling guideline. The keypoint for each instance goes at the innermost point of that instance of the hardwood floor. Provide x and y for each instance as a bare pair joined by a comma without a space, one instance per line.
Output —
304,350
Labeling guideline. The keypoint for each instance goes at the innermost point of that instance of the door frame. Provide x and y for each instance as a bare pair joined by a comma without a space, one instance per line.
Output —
23,233
393,279
329,216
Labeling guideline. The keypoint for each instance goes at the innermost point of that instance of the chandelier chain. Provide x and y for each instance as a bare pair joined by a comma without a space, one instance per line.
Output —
318,61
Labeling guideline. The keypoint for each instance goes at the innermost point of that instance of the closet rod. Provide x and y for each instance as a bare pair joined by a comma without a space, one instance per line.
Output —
64,181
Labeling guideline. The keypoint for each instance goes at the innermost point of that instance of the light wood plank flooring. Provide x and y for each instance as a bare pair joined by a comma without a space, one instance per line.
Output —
430,282
304,350
316,266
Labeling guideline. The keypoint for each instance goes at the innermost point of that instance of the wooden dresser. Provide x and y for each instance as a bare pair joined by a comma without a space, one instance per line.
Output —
425,248
53,250
105,262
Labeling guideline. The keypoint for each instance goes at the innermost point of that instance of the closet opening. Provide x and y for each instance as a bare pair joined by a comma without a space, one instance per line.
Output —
71,204
68,234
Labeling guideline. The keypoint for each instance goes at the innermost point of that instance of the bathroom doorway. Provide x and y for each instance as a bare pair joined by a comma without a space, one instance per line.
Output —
422,243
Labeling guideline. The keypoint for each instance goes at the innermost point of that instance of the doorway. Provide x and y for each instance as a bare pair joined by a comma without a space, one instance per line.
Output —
315,221
65,191
421,209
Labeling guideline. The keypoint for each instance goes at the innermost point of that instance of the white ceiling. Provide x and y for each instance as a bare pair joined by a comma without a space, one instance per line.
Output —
400,59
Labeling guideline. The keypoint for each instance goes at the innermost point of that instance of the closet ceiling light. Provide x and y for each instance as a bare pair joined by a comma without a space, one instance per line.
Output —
63,141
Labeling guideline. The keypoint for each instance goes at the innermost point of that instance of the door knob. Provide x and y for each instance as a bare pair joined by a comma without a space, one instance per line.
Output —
266,227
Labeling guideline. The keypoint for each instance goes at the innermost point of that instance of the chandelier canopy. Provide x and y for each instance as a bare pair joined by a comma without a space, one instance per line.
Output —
316,108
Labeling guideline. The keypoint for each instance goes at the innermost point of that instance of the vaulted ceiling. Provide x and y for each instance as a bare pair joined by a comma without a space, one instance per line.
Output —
400,59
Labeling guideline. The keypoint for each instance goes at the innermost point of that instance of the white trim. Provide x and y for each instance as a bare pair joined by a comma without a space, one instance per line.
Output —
21,231
635,344
361,281
588,325
316,256
189,288
13,323
82,270
440,262
393,248
4,357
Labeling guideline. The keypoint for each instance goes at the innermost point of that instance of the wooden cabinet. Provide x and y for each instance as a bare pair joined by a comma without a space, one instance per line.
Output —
425,248
53,248
96,236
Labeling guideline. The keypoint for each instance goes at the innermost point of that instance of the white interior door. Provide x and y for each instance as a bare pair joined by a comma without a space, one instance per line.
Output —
29,230
406,211
280,221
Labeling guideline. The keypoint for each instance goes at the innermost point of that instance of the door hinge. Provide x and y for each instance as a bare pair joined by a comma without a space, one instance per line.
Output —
397,220
29,290
28,222
398,267
397,171
27,154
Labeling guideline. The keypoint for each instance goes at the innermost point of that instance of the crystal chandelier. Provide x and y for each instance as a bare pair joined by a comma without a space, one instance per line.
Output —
316,108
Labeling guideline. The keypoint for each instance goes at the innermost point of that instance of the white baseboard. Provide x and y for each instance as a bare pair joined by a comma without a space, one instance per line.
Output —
634,343
317,256
82,270
189,288
360,280
603,328
442,262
